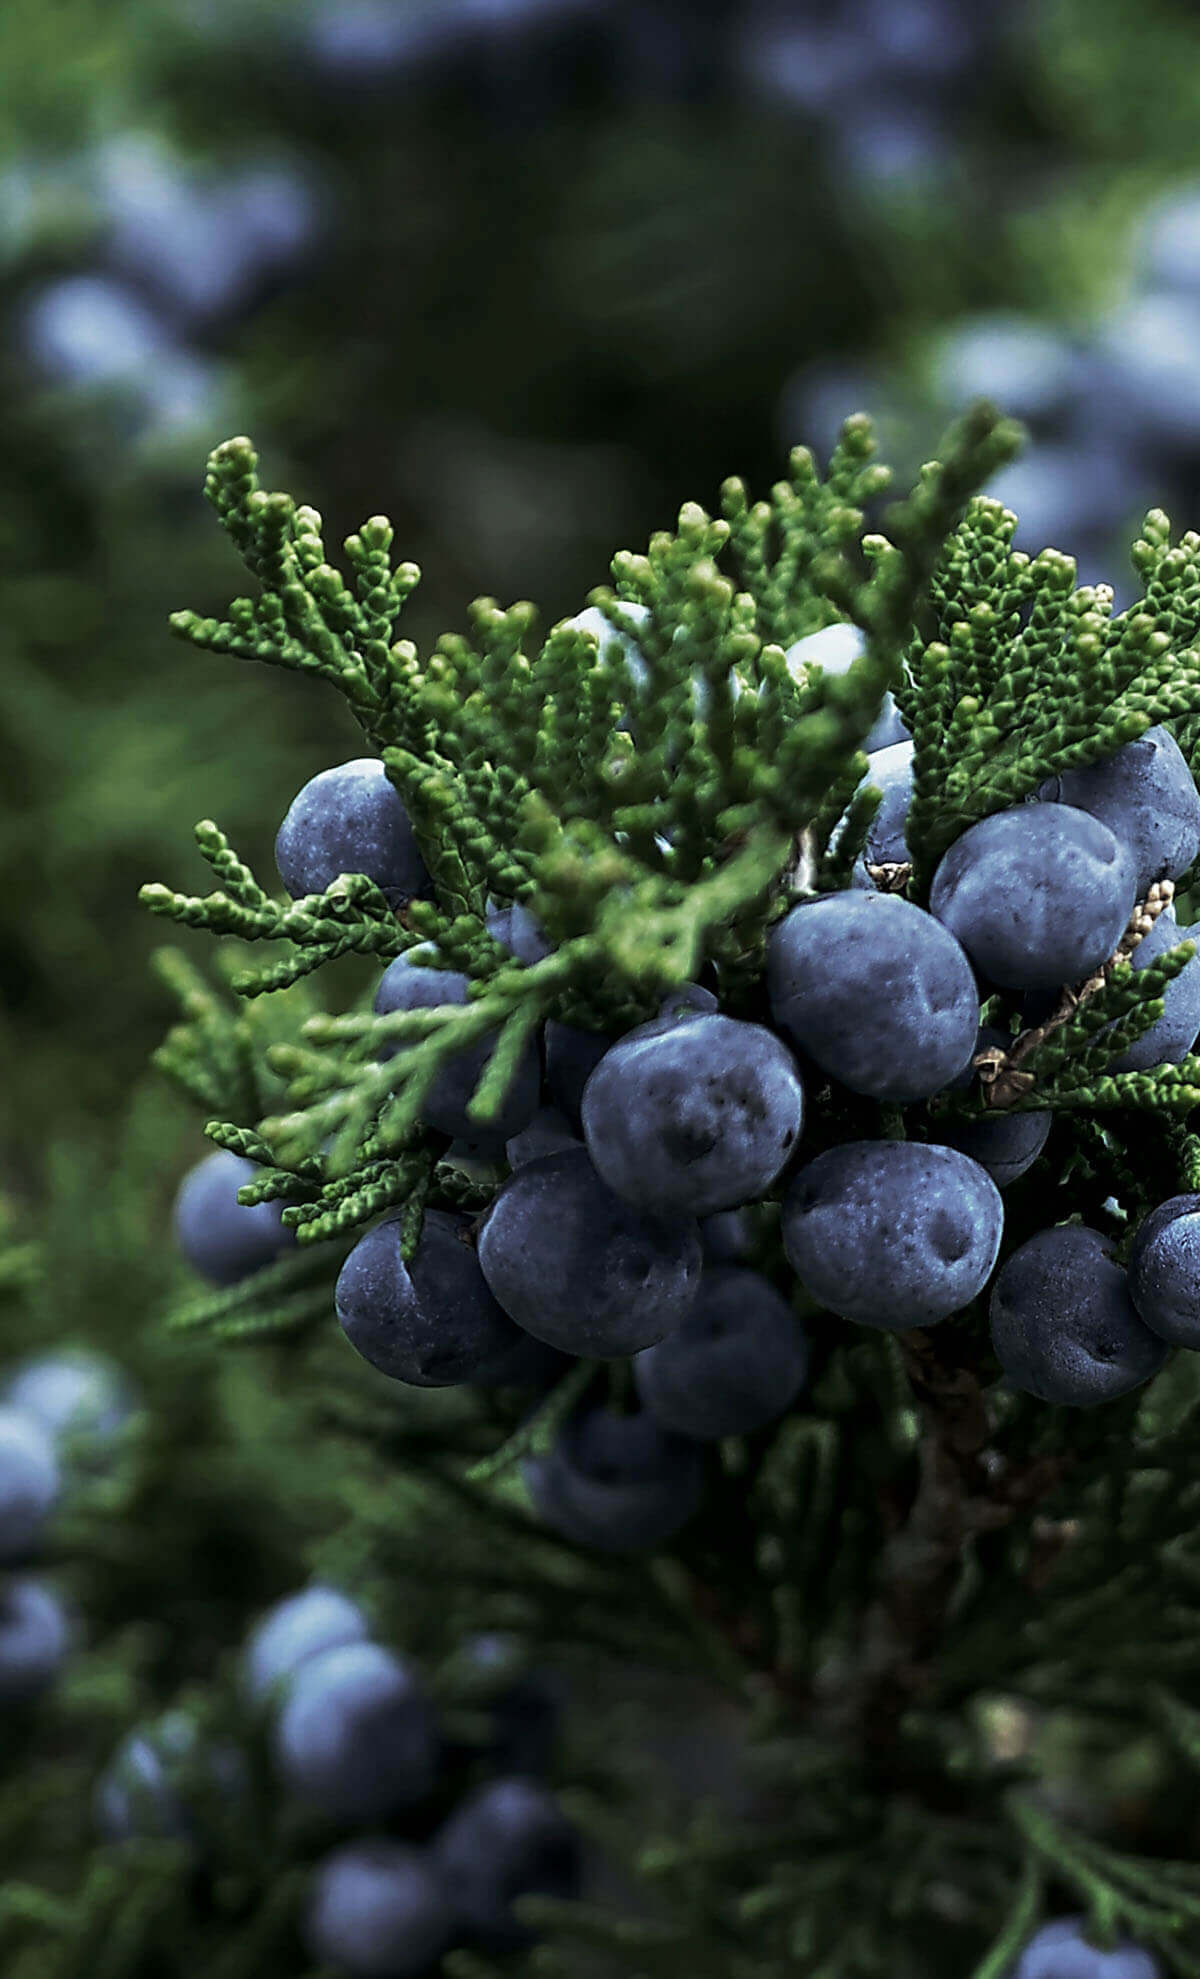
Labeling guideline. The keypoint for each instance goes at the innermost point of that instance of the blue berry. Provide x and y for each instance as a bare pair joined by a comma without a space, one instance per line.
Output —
72,1392
1064,1326
35,1636
687,1117
1164,1271
893,1233
875,991
154,1783
591,619
689,1000
1013,359
1173,1036
29,1482
728,1236
738,1360
616,1484
91,332
1146,796
508,1839
1061,1951
220,1237
1149,343
1168,244
547,1133
355,1736
572,1055
891,771
834,650
580,1268
305,1625
517,929
1006,1144
379,1909
1038,896
350,820
524,1706
431,1322
409,985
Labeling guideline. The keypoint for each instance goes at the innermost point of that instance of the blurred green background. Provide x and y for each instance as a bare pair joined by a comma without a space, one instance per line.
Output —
524,274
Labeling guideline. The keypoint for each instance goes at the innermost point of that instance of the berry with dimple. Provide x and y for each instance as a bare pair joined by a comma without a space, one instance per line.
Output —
1064,1326
355,1736
409,985
1147,797
1164,1271
29,1482
431,1321
875,991
350,819
508,1839
1173,1036
893,1233
380,1909
302,1626
72,1392
738,1360
1061,1950
834,650
686,1116
221,1238
616,1484
579,1267
1038,896
35,1636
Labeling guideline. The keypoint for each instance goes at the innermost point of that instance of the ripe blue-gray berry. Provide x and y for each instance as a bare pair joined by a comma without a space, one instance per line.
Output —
379,1909
1146,796
71,1392
1173,1036
875,991
572,1055
29,1481
547,1133
409,985
686,1116
688,1000
1061,1950
35,1636
579,1267
304,1625
727,1236
1164,1271
158,1777
1004,1143
891,771
1038,896
892,1233
616,1484
523,1705
508,1839
431,1322
738,1360
221,1238
517,929
834,649
350,820
1064,1326
355,1736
